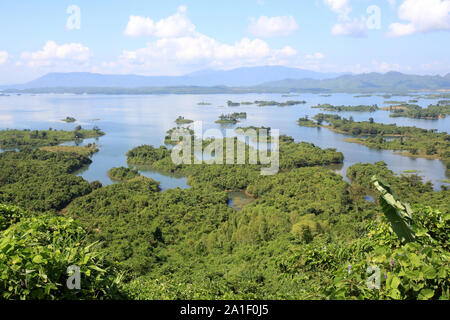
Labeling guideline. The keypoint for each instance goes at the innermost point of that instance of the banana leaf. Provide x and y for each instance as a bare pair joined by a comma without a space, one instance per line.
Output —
399,214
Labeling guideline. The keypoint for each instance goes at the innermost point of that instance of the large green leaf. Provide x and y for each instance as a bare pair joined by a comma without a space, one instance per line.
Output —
399,214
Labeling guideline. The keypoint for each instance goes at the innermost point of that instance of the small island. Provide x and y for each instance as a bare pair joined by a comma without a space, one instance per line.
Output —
182,120
13,138
432,112
204,104
85,151
180,132
360,108
231,118
122,174
306,122
233,104
279,104
69,120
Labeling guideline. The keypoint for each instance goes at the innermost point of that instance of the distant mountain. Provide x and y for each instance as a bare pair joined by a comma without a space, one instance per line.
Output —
368,82
248,76
240,80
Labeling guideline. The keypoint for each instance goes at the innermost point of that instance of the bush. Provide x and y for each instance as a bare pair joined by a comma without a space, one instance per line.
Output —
35,254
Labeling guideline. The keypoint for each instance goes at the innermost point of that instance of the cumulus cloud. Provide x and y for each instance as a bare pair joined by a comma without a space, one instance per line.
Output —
176,25
272,26
317,55
178,47
341,7
421,16
346,26
203,51
3,56
385,66
354,27
54,54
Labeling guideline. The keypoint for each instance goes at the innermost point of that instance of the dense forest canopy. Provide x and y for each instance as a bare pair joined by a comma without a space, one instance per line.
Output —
304,229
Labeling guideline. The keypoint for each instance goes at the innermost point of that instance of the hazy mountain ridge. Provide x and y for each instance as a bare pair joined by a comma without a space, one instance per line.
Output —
234,81
369,82
248,76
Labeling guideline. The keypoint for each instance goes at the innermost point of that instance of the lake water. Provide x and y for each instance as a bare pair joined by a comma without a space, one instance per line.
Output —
133,120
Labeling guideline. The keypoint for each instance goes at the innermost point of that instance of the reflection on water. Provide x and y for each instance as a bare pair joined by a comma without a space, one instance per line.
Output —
130,121
167,181
238,199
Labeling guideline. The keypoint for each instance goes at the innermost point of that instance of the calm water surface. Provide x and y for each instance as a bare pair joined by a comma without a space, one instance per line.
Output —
130,121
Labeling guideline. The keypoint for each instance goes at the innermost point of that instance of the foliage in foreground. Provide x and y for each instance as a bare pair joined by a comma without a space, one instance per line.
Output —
35,253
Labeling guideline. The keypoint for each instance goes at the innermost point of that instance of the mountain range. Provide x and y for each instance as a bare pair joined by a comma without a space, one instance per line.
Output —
240,80
247,76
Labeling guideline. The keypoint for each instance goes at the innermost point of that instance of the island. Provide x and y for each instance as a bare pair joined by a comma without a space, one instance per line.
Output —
14,138
231,118
360,108
122,174
69,119
182,120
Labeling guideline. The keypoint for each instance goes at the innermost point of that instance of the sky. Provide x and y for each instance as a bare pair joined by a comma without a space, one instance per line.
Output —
171,37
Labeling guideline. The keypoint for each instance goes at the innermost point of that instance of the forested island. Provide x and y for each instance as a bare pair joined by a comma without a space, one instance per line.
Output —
182,120
360,108
232,118
432,112
13,138
279,104
69,119
123,174
411,140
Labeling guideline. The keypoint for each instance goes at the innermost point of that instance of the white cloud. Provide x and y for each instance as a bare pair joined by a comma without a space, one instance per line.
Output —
422,16
392,3
355,28
346,26
54,54
183,49
317,55
385,66
3,56
176,25
341,7
202,51
272,27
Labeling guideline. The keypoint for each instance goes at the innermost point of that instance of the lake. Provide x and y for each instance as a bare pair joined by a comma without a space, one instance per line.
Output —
133,120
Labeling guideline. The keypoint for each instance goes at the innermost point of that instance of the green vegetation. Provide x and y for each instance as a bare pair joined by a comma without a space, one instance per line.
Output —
123,174
69,119
304,233
182,120
432,112
360,108
306,122
254,128
178,131
416,141
11,139
394,102
35,252
233,104
278,104
41,181
231,118
86,151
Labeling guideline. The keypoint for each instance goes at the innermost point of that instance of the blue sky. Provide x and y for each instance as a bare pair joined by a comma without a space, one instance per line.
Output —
176,37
